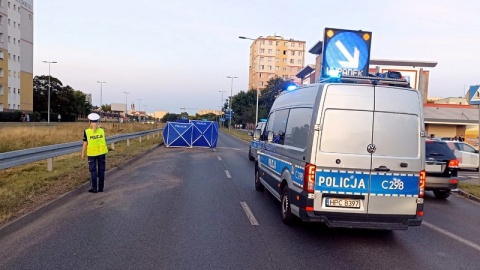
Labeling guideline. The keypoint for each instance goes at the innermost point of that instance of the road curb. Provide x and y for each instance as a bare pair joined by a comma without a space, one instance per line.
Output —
20,222
468,196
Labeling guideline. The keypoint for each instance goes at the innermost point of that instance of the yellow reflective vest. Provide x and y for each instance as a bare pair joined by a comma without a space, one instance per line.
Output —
97,145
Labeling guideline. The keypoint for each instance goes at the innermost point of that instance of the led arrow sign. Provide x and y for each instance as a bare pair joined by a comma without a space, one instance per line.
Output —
347,51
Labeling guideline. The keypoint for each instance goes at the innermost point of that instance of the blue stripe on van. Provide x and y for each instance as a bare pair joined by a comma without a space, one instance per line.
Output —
275,164
353,182
297,176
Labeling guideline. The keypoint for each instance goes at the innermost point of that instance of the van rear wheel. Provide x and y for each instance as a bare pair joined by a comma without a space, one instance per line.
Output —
258,185
441,194
287,217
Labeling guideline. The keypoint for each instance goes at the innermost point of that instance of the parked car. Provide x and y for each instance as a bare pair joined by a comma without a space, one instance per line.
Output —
252,151
466,154
441,167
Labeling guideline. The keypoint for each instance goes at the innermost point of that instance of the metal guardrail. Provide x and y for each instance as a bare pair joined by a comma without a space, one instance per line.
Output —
21,157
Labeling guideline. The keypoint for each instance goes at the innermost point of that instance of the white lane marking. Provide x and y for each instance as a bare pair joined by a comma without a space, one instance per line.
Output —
451,235
228,174
219,158
249,213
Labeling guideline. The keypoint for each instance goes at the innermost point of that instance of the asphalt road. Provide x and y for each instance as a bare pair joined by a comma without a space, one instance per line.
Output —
184,209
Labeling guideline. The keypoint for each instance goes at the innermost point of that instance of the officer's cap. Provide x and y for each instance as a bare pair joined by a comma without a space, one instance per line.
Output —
93,117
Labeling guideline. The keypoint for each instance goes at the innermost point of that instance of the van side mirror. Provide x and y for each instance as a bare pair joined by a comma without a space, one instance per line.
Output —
270,136
256,135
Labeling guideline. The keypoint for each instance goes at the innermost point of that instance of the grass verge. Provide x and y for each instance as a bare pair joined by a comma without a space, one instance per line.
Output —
242,134
24,188
469,188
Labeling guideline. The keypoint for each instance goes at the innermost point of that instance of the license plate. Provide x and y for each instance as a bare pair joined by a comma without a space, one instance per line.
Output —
433,168
343,203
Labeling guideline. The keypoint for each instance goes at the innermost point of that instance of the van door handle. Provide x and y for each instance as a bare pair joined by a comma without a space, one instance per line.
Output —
382,169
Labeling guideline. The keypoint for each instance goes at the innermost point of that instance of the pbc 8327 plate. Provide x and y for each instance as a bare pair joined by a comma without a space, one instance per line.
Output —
342,203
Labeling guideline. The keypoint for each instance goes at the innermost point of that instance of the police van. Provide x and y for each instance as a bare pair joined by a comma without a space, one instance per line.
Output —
348,152
254,143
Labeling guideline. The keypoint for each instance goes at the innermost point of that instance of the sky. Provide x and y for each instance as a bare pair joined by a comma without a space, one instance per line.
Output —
176,54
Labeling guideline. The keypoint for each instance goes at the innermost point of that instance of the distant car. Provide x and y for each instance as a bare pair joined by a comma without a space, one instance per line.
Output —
441,167
252,151
466,154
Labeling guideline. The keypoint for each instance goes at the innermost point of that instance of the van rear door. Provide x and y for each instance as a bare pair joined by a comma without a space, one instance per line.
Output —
397,155
343,163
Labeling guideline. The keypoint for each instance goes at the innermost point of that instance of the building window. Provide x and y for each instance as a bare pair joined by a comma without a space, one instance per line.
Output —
14,24
9,39
277,60
1,3
261,59
18,91
269,42
262,50
284,52
1,37
260,83
278,51
262,67
284,77
260,75
276,67
292,61
18,58
293,44
284,60
1,72
9,74
285,44
284,69
8,4
269,67
269,59
299,62
14,90
278,43
9,90
300,45
14,57
293,52
8,21
18,26
19,107
270,51
1,20
300,53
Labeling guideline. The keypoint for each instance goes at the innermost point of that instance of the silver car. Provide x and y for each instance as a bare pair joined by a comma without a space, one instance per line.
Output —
252,151
466,154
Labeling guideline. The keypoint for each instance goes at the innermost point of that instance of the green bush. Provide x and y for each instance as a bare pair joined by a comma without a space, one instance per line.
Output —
11,116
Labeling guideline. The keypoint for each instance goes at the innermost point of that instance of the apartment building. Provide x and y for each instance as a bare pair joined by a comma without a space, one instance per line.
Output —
16,55
275,56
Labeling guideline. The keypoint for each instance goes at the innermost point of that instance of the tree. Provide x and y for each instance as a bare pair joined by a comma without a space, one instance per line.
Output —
268,96
40,92
170,117
106,107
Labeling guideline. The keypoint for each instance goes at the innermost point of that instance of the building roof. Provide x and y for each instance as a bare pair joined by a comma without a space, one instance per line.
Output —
305,71
317,48
406,63
450,114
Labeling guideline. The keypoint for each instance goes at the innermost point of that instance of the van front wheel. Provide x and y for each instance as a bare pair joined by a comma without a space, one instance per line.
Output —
287,217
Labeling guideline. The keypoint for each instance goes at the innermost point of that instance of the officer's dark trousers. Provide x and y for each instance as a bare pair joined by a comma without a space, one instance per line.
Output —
97,169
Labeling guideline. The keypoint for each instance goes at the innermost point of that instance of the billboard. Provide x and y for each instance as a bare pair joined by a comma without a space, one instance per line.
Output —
118,107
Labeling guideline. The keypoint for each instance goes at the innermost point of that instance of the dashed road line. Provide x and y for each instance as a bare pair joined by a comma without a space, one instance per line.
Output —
249,213
228,174
219,158
452,235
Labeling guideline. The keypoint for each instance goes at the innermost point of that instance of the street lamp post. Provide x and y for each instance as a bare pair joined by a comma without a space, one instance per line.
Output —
101,90
126,104
48,107
256,110
230,102
221,107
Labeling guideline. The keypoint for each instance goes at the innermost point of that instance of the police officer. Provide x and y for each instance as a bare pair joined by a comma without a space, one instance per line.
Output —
95,145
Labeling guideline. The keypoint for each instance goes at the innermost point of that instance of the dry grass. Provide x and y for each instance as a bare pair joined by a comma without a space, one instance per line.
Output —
242,134
25,136
25,188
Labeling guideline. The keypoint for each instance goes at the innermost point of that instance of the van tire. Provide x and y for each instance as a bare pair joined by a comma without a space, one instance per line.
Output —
286,211
258,185
250,157
441,194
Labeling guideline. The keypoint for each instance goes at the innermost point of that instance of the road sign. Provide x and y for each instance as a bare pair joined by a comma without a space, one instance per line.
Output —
474,95
347,51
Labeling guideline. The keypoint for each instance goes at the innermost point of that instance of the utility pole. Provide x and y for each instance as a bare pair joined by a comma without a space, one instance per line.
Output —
230,102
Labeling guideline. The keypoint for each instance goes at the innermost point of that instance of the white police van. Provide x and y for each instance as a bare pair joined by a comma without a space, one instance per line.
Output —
349,153
254,143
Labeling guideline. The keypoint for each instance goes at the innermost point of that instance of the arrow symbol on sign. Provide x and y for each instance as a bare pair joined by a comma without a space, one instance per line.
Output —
352,60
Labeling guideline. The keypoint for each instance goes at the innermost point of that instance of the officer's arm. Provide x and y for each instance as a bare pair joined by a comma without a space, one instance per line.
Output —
84,148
